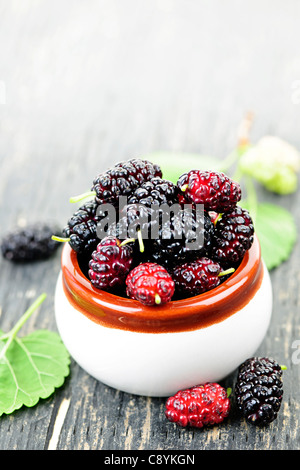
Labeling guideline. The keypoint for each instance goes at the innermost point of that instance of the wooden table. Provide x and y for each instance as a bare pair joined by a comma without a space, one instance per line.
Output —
86,84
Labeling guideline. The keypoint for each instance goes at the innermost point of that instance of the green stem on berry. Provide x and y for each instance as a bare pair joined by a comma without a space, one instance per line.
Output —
82,196
157,299
10,336
140,240
128,240
60,239
184,187
229,391
219,217
283,367
225,273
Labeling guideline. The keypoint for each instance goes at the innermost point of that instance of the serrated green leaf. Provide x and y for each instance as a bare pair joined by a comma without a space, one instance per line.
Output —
277,232
174,164
32,367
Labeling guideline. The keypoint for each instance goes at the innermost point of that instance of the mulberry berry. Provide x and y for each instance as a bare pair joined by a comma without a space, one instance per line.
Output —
81,230
233,236
259,390
199,406
123,179
198,276
185,236
216,191
31,243
157,191
150,284
110,264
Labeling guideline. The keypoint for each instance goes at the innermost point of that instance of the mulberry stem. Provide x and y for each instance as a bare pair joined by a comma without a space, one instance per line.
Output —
60,239
184,187
225,273
82,196
140,240
128,240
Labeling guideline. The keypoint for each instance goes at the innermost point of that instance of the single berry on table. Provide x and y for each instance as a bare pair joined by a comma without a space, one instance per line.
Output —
30,243
199,406
259,390
216,191
233,236
150,284
110,264
198,276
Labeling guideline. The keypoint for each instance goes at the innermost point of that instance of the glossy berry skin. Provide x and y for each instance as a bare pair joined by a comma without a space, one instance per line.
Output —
157,191
195,277
259,390
144,169
233,236
150,284
110,264
82,228
199,406
216,191
182,200
133,217
123,179
29,243
177,238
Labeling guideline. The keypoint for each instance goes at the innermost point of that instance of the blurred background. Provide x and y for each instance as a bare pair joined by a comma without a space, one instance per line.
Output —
86,84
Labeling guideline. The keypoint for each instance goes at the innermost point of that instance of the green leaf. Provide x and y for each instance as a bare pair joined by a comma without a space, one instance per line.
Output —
30,367
276,230
174,164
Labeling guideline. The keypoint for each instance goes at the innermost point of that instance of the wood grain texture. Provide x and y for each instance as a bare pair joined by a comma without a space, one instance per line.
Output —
90,83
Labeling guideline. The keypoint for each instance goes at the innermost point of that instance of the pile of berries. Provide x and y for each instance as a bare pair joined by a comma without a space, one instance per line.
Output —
168,241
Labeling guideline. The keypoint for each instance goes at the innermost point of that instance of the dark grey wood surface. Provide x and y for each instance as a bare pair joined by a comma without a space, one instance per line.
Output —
86,84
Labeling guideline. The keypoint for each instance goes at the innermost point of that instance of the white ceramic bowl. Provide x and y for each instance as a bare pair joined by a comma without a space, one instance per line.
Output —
156,351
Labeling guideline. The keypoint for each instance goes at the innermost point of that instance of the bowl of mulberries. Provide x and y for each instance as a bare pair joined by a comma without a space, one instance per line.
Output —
162,283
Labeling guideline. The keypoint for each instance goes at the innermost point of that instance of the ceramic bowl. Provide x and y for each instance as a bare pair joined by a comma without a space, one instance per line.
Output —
156,351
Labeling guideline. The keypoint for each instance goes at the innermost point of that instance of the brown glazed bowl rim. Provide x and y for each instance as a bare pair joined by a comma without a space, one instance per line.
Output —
177,315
